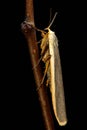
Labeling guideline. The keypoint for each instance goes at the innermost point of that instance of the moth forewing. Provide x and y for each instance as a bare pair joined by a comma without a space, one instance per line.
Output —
56,80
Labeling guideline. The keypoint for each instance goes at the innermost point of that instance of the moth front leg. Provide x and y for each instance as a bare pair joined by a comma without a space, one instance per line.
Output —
46,60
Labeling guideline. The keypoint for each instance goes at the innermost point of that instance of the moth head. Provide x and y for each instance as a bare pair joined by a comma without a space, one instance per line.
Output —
43,33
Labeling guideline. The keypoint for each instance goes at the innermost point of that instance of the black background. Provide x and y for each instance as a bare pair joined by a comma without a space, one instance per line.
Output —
19,102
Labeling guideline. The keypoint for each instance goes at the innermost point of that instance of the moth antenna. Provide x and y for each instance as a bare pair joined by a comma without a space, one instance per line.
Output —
50,15
51,21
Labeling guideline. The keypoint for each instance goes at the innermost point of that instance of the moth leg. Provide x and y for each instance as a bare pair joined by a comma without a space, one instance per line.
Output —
47,62
47,82
45,72
45,59
37,63
38,42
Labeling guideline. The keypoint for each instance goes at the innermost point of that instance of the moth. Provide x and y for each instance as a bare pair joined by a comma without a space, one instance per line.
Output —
51,57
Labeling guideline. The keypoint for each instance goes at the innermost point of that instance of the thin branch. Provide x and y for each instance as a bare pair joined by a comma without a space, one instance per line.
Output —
30,35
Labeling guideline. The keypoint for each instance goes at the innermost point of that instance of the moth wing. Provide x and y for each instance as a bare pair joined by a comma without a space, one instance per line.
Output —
57,90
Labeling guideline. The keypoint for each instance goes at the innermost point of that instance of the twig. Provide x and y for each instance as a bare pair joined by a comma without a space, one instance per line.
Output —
30,35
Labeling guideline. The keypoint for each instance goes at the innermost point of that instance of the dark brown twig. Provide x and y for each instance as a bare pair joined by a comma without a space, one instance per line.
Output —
30,35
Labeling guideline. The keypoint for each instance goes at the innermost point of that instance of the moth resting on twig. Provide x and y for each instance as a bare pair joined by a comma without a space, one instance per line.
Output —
50,56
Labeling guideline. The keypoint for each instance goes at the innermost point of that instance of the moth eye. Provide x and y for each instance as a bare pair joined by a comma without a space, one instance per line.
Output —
43,34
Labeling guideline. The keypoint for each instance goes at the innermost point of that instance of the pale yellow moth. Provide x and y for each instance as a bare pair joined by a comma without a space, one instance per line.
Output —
51,58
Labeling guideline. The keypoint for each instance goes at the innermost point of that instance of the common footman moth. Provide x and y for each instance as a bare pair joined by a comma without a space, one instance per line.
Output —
51,57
